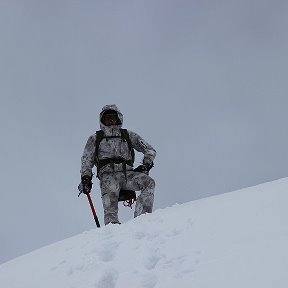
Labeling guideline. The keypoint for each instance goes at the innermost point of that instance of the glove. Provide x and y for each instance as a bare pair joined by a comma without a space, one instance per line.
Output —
86,184
144,168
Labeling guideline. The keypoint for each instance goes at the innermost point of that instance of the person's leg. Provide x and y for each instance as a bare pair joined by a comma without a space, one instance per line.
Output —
139,181
110,187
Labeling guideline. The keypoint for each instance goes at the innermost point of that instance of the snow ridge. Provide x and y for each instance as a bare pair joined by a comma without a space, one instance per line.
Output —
236,239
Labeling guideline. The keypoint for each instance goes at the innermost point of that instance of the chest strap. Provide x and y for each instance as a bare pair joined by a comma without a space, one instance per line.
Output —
112,161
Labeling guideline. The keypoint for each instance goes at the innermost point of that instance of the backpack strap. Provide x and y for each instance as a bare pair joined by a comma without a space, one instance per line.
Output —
125,135
99,138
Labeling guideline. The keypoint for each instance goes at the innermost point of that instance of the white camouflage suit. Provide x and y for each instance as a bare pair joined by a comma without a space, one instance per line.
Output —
112,179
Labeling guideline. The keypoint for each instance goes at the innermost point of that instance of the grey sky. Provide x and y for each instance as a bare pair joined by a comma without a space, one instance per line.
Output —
205,82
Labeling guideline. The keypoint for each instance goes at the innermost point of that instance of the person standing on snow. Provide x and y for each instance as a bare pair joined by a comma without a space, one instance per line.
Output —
112,151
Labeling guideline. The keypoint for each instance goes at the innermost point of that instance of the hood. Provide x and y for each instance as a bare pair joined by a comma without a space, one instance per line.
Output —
110,107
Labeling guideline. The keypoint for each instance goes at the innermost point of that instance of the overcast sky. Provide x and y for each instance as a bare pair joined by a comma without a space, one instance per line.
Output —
204,82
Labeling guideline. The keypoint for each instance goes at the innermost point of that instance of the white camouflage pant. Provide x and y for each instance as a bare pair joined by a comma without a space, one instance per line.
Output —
112,183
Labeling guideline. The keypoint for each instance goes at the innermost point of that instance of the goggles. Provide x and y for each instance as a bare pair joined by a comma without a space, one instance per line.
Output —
110,119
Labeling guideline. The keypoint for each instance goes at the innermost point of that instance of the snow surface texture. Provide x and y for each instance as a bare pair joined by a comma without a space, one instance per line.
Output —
236,239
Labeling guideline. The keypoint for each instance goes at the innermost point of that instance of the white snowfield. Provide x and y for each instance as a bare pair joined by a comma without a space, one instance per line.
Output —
234,240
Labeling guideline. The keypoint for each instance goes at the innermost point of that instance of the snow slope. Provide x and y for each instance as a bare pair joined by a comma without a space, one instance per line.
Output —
237,239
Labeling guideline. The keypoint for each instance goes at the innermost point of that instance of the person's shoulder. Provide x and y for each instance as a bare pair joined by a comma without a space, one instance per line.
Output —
132,133
92,137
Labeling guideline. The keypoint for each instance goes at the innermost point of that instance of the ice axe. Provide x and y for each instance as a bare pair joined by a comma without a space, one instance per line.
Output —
92,208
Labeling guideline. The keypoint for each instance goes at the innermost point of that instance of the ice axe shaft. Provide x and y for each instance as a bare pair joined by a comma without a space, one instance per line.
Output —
93,211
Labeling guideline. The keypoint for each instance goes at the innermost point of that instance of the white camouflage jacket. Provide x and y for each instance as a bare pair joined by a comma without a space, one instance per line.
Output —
113,148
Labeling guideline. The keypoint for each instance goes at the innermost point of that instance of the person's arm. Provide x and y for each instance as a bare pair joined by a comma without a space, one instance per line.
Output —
88,157
144,147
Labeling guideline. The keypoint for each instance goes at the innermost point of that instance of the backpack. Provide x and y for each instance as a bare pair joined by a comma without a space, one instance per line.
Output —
128,196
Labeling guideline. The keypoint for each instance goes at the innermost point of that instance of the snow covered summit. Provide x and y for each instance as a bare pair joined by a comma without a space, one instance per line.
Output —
237,239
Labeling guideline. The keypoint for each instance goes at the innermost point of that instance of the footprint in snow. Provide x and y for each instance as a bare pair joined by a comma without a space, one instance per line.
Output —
151,261
108,279
109,251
